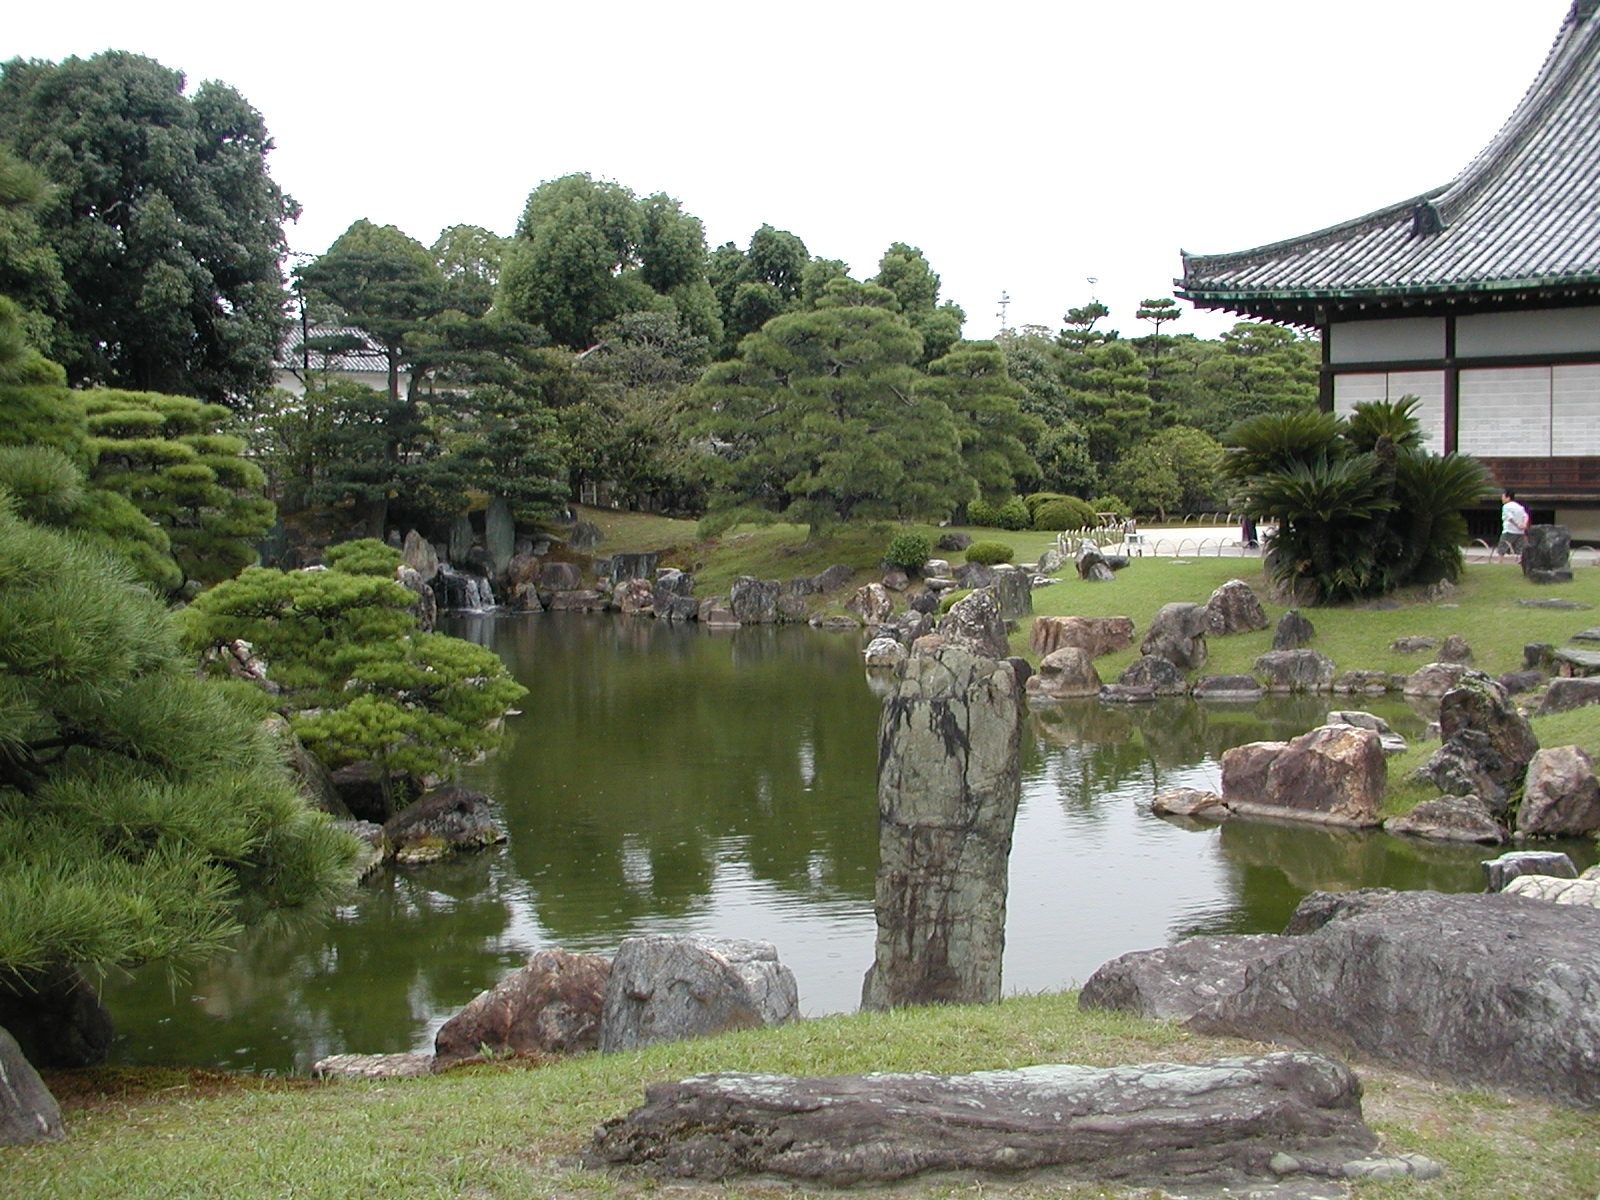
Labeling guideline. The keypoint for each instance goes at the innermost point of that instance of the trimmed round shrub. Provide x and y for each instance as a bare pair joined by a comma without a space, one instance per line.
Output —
948,600
1013,514
981,512
1034,499
987,554
908,551
1066,512
364,556
1110,504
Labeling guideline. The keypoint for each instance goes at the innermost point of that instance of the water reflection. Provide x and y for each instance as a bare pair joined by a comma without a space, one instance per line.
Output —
665,779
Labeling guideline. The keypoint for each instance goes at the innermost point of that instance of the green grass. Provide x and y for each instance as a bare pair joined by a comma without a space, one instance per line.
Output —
505,1130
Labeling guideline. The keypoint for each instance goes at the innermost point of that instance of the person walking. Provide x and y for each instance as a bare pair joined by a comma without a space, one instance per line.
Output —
1513,524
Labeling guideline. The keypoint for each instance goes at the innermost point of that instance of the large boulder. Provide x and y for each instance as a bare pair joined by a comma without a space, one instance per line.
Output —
974,621
1013,591
872,604
754,601
1064,674
1425,982
1560,795
1174,982
974,575
446,820
1499,872
1230,1121
713,612
1093,635
664,988
885,653
1234,608
420,556
1547,554
550,1006
1584,891
1449,819
1285,671
1292,631
28,1112
832,578
635,597
1434,679
1177,633
1335,774
1157,675
1564,695
1092,565
57,1018
634,565
1393,743
560,577
425,608
1485,743
948,788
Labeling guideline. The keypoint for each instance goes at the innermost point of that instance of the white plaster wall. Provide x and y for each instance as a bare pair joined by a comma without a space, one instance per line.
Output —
1504,412
1386,341
1426,386
1544,331
1575,410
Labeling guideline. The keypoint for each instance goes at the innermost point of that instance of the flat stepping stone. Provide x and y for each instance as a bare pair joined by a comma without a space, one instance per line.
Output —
1554,602
1234,1120
1587,635
373,1066
1570,661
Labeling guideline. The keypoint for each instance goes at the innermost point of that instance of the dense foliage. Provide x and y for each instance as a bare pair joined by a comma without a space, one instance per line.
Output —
143,813
989,553
1361,508
360,682
908,551
162,221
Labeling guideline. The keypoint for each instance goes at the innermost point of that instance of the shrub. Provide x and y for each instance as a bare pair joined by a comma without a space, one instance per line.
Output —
988,553
1034,499
1013,514
1110,504
981,512
908,551
364,556
1066,512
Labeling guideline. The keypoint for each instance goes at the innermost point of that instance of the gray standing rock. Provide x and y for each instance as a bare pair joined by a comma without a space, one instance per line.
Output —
1449,819
420,556
1292,631
28,1112
895,579
871,603
1013,591
1547,555
974,575
1435,679
885,653
1064,674
974,621
1477,719
499,534
1285,671
832,578
1092,565
1560,795
1095,635
948,788
425,608
1234,608
634,565
754,601
635,597
1229,1121
1455,650
1177,633
550,1006
664,989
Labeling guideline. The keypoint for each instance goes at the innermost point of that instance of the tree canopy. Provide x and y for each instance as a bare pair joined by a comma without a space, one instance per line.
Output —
166,226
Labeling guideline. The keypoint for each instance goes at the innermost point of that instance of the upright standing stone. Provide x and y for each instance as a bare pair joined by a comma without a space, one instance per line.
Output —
948,786
420,556
1547,558
499,535
460,539
28,1112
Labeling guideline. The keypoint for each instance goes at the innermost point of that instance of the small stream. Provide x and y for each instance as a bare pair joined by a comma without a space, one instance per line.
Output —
662,778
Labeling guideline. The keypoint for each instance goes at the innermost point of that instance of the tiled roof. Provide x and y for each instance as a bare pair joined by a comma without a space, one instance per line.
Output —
1523,216
361,356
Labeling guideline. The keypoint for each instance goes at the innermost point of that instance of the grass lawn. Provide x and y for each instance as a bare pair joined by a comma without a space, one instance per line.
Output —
504,1130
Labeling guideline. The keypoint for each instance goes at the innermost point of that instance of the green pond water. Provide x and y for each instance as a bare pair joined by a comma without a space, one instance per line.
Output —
663,778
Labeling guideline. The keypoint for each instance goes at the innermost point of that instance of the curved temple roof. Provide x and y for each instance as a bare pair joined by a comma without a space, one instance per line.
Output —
1521,222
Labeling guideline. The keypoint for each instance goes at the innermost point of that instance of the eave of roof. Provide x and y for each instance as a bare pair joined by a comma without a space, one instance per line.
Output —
1522,216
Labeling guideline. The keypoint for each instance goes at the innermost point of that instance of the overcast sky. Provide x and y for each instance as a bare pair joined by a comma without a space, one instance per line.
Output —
1027,148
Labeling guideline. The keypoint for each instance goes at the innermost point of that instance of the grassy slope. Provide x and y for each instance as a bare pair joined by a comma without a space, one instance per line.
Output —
503,1131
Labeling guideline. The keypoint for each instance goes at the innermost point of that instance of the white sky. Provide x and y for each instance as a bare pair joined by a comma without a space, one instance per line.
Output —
1025,147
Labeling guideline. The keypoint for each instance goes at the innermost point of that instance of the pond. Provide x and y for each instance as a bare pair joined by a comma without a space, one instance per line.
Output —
662,778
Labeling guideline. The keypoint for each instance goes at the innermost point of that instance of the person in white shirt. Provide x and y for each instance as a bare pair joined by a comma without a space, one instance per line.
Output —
1513,523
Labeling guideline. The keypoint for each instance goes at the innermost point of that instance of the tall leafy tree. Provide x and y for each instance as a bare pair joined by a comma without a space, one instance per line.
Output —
905,271
823,417
30,271
468,258
166,224
971,381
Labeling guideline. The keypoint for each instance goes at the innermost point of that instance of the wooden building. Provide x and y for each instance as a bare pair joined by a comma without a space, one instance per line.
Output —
1481,298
